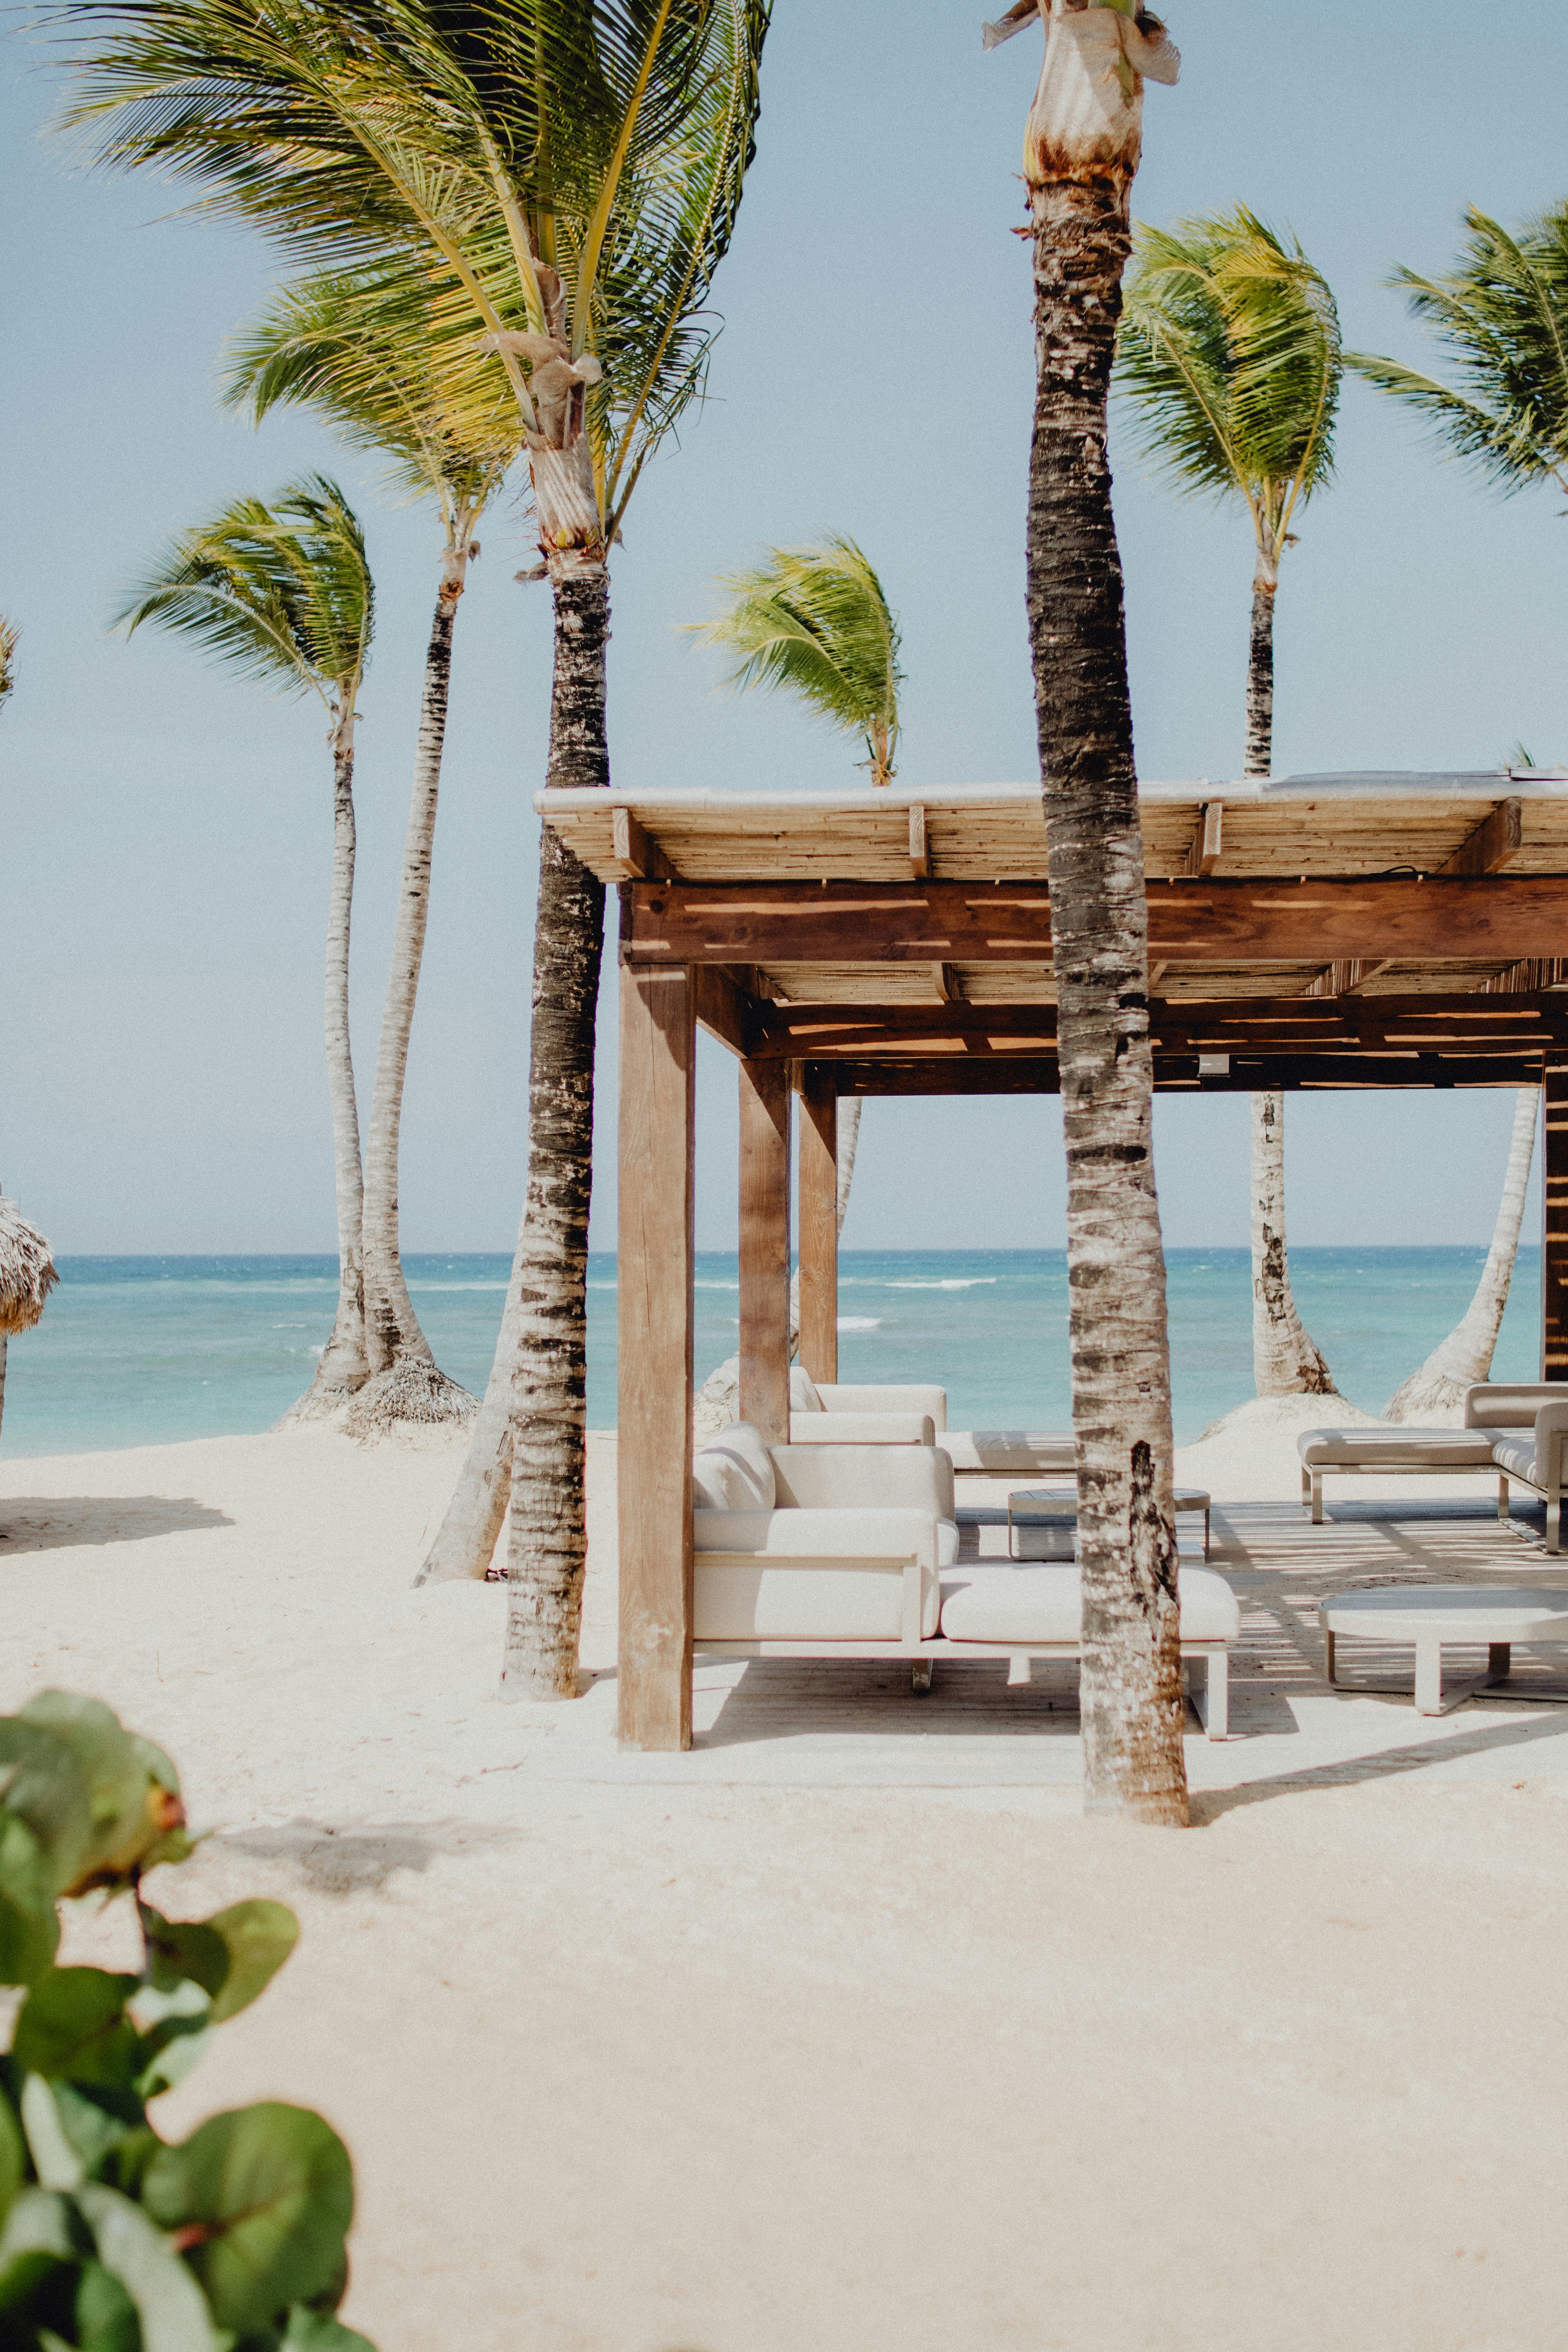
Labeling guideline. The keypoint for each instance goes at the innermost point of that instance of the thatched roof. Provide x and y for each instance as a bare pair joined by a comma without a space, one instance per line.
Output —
27,1271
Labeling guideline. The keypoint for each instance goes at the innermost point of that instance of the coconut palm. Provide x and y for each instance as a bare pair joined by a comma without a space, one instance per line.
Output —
564,176
283,592
1228,358
1501,316
341,347
813,622
1436,1394
27,1278
9,635
1080,154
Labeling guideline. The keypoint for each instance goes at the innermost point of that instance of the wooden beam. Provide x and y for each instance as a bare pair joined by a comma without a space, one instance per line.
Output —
1180,1074
1204,853
654,1320
919,856
1495,843
948,984
1554,1221
1157,974
638,857
1531,973
764,1249
818,1181
1501,916
719,1006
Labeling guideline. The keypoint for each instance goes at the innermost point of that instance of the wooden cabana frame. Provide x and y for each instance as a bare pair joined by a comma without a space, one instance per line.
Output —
1315,932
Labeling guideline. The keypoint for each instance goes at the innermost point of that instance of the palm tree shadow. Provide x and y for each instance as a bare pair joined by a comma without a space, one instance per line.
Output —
1209,1805
58,1522
349,1858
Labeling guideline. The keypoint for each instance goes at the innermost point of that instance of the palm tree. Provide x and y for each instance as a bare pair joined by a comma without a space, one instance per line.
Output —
9,637
564,176
1436,1394
27,1275
338,345
1501,317
813,622
1080,154
283,592
1229,358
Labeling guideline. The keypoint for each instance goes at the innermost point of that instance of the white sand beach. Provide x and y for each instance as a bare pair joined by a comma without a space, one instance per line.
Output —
846,2031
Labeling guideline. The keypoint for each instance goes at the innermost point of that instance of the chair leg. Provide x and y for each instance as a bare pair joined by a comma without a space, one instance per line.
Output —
1553,1523
1217,1725
1502,1500
1499,1661
1316,1498
922,1674
1429,1674
1306,1488
1329,1660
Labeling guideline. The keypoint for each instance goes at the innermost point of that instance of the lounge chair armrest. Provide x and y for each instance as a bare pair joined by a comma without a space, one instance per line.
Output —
849,1533
1510,1404
861,1428
1551,1428
830,1477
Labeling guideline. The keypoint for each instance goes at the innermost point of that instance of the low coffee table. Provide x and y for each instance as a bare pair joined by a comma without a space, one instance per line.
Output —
1431,1616
1056,1507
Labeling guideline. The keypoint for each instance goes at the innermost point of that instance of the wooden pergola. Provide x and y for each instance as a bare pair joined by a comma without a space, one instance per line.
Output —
1337,931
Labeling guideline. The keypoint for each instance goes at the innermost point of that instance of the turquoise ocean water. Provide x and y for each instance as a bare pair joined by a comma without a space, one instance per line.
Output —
147,1351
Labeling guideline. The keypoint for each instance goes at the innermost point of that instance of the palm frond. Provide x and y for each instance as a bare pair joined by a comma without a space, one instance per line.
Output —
282,592
1501,316
813,622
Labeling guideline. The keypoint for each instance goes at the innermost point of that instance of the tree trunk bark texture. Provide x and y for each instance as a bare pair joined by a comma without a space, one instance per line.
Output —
1131,1701
405,1384
1286,1361
1436,1394
1260,670
345,1365
2,1379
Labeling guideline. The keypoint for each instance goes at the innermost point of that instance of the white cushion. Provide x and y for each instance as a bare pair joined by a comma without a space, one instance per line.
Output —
946,1543
734,1471
1005,1451
803,1395
830,1601
1361,1448
1516,1456
1044,1604
860,1429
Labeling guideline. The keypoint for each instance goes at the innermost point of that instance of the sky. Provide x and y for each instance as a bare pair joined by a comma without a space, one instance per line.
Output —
165,828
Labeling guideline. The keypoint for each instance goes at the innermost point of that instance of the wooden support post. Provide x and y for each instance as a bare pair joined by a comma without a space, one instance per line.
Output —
1554,1222
653,1314
764,1249
819,1226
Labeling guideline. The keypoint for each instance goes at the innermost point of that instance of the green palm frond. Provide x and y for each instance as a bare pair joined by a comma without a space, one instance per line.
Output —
813,622
389,358
282,592
1501,316
607,139
1229,359
9,636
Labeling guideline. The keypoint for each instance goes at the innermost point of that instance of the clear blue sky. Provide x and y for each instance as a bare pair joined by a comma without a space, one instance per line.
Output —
165,828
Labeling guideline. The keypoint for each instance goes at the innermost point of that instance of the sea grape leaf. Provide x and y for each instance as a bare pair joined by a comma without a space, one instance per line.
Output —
169,2306
321,2331
261,2198
258,1936
46,1788
97,2119
55,2160
39,2222
181,1950
106,2318
13,2156
134,1814
73,2023
30,1929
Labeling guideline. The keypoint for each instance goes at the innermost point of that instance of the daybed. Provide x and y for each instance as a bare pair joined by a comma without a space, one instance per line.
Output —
838,1413
851,1551
1515,1428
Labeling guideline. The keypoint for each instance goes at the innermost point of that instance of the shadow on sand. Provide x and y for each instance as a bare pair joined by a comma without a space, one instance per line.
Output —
339,1859
55,1522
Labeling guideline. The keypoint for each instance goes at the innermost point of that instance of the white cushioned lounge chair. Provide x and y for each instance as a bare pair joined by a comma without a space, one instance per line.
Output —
851,1551
846,1415
1514,1428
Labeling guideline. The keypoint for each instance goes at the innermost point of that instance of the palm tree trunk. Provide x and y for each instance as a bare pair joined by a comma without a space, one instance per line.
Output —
1286,1359
547,1549
344,1365
1131,1674
2,1379
406,1383
1437,1392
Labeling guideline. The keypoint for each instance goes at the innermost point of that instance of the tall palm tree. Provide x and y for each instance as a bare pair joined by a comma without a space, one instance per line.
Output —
9,638
1080,154
1435,1392
813,622
337,344
1228,356
564,174
283,592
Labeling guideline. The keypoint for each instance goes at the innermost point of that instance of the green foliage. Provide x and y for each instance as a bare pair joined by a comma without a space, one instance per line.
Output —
814,621
111,2240
1501,316
472,149
283,592
1229,359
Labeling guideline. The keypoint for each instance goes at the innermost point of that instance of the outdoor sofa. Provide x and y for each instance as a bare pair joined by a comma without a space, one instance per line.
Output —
851,1551
837,1414
1514,1428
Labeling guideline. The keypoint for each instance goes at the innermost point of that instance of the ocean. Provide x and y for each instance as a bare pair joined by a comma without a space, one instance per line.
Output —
149,1350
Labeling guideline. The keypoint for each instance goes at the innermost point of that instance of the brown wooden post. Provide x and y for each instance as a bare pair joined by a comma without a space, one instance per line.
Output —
1554,1221
819,1225
764,1249
654,1318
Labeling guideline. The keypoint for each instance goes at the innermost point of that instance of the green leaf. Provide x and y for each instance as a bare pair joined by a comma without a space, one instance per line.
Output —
13,2156
97,2121
182,1949
30,1929
262,2198
39,2222
321,2331
168,2301
55,2160
106,2318
258,1937
73,2023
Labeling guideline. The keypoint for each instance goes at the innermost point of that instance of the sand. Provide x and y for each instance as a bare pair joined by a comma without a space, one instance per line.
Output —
847,2032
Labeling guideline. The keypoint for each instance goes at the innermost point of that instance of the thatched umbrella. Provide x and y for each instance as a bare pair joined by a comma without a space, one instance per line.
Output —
27,1278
